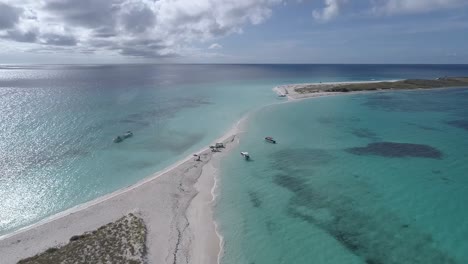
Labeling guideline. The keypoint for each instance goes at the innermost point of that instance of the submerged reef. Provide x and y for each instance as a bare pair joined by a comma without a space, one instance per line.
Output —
403,102
361,226
428,128
463,124
365,133
301,157
397,150
255,199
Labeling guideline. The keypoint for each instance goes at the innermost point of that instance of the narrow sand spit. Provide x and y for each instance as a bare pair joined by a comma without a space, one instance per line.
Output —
200,212
175,204
290,89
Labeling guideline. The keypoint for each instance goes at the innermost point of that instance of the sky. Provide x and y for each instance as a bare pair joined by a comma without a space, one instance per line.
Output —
233,31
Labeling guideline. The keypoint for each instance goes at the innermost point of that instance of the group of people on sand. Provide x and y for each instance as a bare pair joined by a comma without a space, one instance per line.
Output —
214,148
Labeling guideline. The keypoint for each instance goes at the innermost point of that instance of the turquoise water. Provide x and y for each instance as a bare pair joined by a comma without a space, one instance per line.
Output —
64,154
57,122
368,178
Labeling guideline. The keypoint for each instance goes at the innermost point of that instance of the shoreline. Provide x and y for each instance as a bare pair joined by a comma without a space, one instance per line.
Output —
191,206
321,89
182,192
205,202
291,94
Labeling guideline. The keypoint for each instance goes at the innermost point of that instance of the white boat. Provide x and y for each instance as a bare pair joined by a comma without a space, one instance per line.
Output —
128,134
118,139
245,155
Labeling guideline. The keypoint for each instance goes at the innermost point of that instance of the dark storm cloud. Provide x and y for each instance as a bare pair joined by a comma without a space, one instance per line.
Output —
104,32
104,17
136,28
58,40
19,36
86,13
9,16
103,43
138,19
134,48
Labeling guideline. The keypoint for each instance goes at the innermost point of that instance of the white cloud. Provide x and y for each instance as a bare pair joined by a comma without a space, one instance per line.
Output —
331,10
415,6
215,46
142,28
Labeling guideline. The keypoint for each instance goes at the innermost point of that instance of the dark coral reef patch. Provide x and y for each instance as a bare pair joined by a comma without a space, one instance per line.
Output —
397,150
463,124
364,133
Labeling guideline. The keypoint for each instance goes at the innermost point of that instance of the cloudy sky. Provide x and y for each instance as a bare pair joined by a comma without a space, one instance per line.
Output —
234,31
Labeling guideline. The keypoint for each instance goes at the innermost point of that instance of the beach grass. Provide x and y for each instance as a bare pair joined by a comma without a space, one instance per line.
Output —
122,241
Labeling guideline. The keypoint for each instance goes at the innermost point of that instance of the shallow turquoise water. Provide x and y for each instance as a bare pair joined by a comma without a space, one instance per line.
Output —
61,155
323,195
57,122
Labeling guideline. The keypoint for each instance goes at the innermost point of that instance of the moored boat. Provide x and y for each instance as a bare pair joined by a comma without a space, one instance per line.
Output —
118,139
121,138
270,140
245,155
128,134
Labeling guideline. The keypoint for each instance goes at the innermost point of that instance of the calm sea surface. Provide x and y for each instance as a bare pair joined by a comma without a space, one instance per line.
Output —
323,194
365,178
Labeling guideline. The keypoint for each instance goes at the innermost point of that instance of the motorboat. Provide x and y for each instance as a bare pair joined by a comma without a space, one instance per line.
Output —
121,138
128,134
118,139
270,140
245,155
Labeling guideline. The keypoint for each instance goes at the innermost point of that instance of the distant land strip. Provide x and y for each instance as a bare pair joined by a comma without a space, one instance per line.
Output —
444,82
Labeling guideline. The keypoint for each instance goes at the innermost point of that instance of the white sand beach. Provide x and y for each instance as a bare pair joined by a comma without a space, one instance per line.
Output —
175,204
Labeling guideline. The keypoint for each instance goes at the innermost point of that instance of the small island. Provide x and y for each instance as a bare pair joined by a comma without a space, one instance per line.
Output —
297,91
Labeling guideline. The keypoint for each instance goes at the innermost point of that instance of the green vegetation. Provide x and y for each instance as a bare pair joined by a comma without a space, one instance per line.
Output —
404,84
122,241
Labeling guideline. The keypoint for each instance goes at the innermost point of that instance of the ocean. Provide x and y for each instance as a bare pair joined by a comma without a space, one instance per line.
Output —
364,178
322,194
